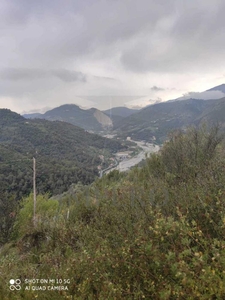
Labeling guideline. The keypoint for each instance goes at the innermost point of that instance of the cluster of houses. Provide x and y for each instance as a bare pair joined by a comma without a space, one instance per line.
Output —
123,155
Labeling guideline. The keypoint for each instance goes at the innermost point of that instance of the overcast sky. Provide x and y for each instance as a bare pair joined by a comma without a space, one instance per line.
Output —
106,53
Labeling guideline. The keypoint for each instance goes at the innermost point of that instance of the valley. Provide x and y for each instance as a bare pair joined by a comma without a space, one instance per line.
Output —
74,145
98,215
112,150
127,163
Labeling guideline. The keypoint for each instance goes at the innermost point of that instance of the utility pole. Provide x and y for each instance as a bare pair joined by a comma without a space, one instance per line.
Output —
34,189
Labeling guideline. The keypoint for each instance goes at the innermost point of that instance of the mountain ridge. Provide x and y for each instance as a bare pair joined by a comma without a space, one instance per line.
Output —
157,120
91,119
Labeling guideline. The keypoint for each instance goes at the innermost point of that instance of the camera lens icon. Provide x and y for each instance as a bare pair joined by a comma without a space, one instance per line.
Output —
15,284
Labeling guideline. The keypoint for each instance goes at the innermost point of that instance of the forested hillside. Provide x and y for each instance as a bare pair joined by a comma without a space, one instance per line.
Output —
64,153
156,121
154,233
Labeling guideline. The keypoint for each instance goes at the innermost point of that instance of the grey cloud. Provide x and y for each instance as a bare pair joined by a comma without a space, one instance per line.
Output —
148,36
65,32
69,76
105,78
157,89
15,13
207,95
154,101
22,74
158,100
41,42
194,34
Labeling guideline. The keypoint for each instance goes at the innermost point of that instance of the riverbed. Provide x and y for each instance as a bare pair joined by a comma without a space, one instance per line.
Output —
126,164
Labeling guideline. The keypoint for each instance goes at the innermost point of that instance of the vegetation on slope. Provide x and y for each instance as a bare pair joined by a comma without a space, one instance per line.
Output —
65,154
155,233
156,121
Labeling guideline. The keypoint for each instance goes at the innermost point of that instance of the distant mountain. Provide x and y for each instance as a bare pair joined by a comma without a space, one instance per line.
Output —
116,114
156,121
33,116
120,111
153,122
90,119
220,88
214,113
65,154
216,92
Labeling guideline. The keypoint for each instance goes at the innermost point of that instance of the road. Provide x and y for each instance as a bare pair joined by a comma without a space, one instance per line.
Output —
126,164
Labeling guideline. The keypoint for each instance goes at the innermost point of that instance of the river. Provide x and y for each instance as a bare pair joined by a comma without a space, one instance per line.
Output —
126,164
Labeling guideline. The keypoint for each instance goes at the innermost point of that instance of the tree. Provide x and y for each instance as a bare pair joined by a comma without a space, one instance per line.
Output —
187,155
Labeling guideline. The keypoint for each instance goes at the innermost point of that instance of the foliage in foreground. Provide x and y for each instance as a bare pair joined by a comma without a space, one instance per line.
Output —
157,233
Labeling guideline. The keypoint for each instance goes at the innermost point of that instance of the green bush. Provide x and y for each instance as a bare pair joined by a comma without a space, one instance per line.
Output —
45,209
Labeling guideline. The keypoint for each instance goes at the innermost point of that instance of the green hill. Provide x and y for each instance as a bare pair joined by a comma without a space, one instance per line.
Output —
65,154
